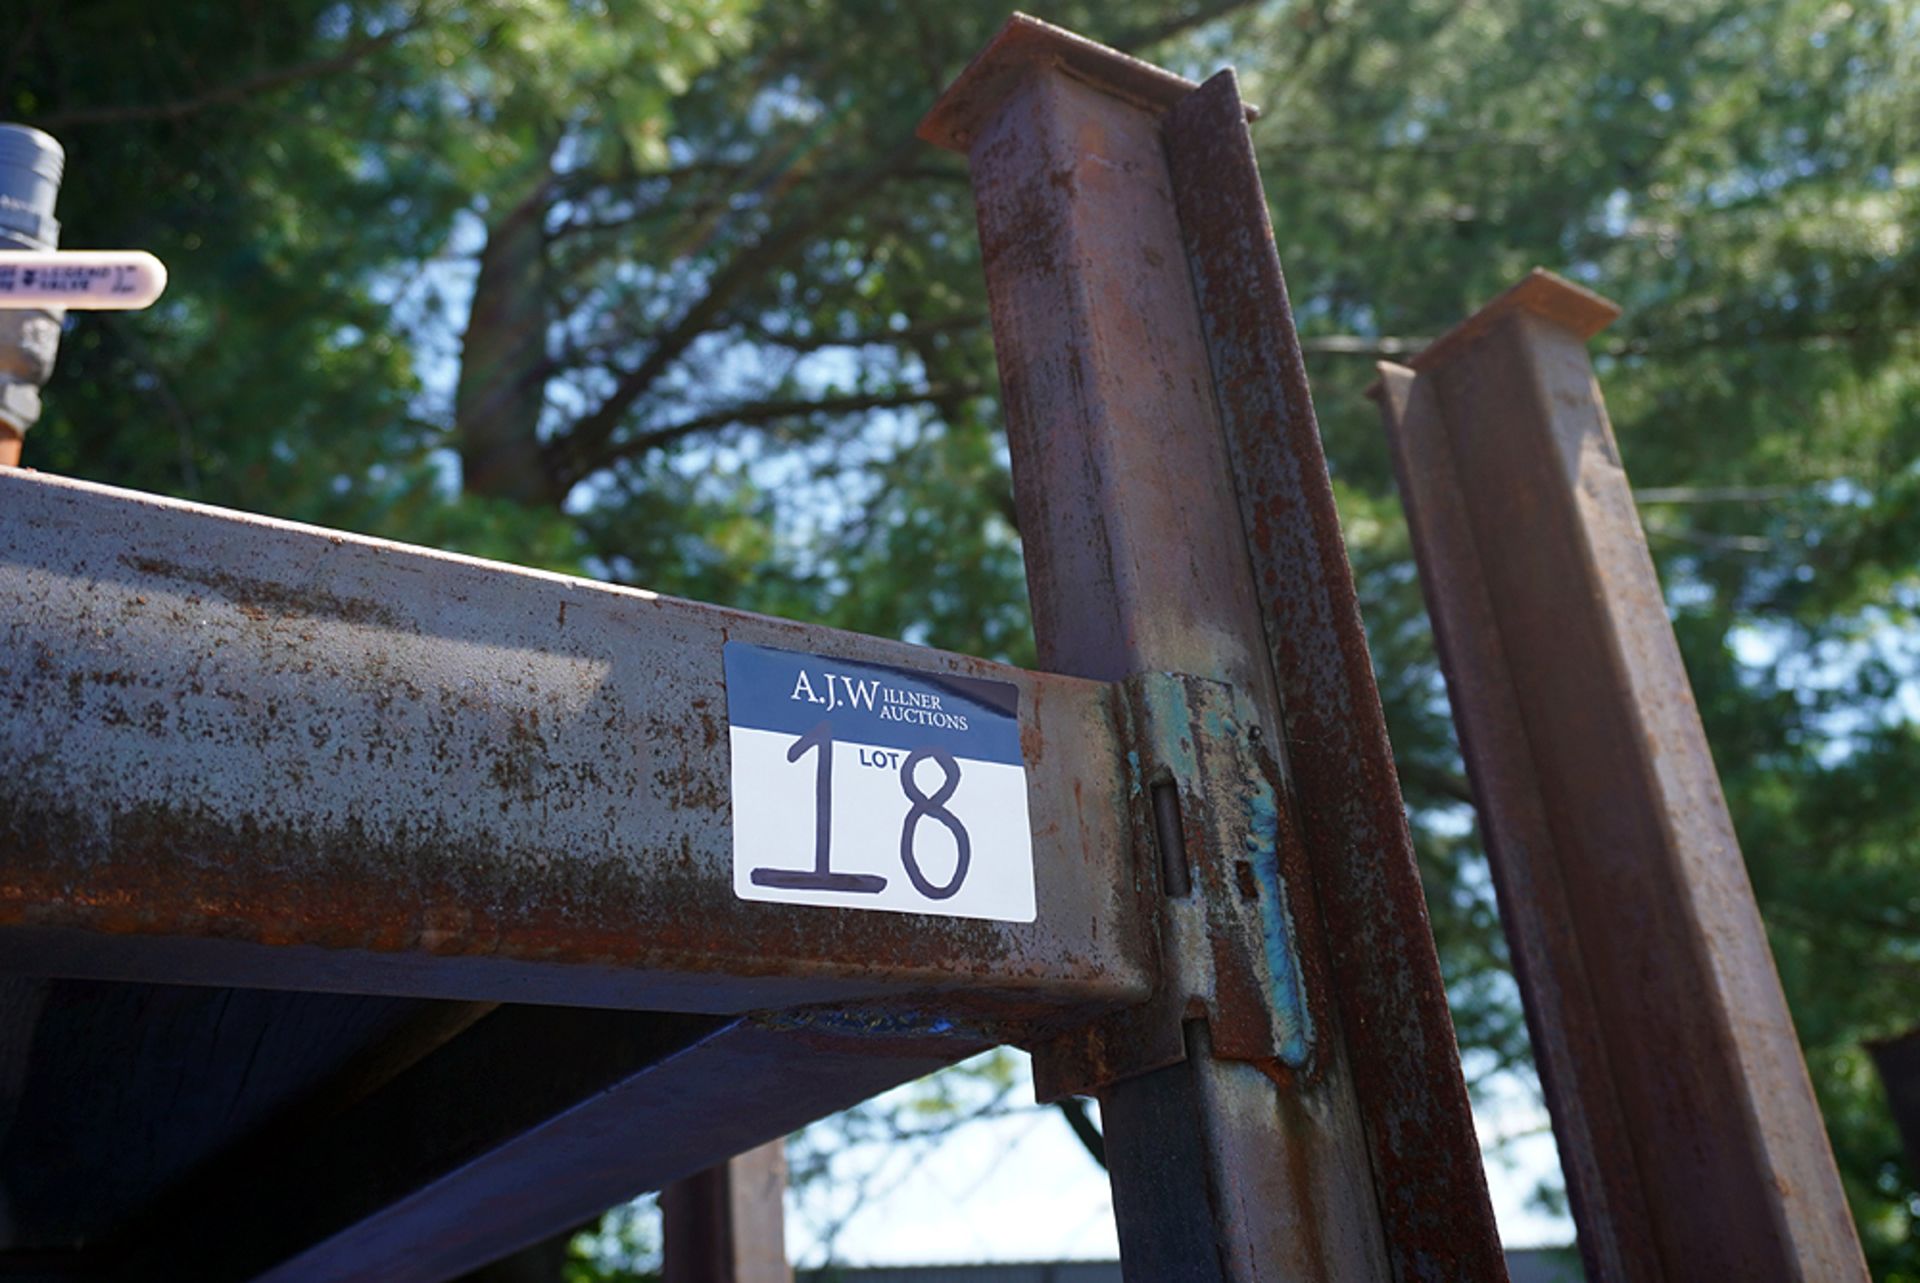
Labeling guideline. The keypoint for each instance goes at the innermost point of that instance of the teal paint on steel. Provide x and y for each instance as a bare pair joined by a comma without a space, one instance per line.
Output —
1276,920
1194,728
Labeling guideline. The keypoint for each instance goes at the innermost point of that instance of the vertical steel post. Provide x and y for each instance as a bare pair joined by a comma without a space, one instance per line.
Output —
1898,1060
1692,1143
727,1224
1177,517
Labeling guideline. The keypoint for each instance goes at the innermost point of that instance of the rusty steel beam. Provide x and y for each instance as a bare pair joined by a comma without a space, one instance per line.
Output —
727,1224
536,1120
1692,1143
245,752
1299,1114
1384,973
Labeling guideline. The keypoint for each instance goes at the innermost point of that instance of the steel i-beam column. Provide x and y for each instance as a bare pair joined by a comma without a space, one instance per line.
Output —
1298,1115
1691,1140
1898,1060
727,1224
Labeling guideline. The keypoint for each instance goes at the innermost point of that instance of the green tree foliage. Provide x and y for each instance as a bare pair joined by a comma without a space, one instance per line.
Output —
667,293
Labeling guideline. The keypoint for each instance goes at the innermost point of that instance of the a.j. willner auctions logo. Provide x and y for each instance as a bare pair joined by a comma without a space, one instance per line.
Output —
890,703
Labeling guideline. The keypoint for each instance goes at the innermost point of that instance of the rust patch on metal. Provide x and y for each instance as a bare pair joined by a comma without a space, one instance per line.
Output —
170,872
265,599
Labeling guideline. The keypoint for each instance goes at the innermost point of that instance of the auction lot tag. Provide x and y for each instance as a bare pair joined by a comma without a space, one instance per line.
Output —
863,786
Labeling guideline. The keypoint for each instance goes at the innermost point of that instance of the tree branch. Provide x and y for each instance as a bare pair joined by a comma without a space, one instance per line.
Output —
1819,340
1434,780
1389,345
1361,345
588,446
1709,540
1715,494
884,338
707,201
583,449
770,411
236,91
1441,146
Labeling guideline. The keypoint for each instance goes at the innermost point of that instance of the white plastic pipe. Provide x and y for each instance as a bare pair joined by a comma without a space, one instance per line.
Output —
93,280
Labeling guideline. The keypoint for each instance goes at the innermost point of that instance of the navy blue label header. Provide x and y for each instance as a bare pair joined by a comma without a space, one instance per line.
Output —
791,692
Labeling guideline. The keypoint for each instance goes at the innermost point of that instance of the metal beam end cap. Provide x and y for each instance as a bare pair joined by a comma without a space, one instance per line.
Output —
1547,295
1026,42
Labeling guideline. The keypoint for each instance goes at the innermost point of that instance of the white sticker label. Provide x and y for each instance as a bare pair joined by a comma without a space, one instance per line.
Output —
862,786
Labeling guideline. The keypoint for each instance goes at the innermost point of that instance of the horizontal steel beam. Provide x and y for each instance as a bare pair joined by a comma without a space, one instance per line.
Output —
244,752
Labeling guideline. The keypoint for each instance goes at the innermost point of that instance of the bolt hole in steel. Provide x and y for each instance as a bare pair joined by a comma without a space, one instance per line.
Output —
1244,879
1170,835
